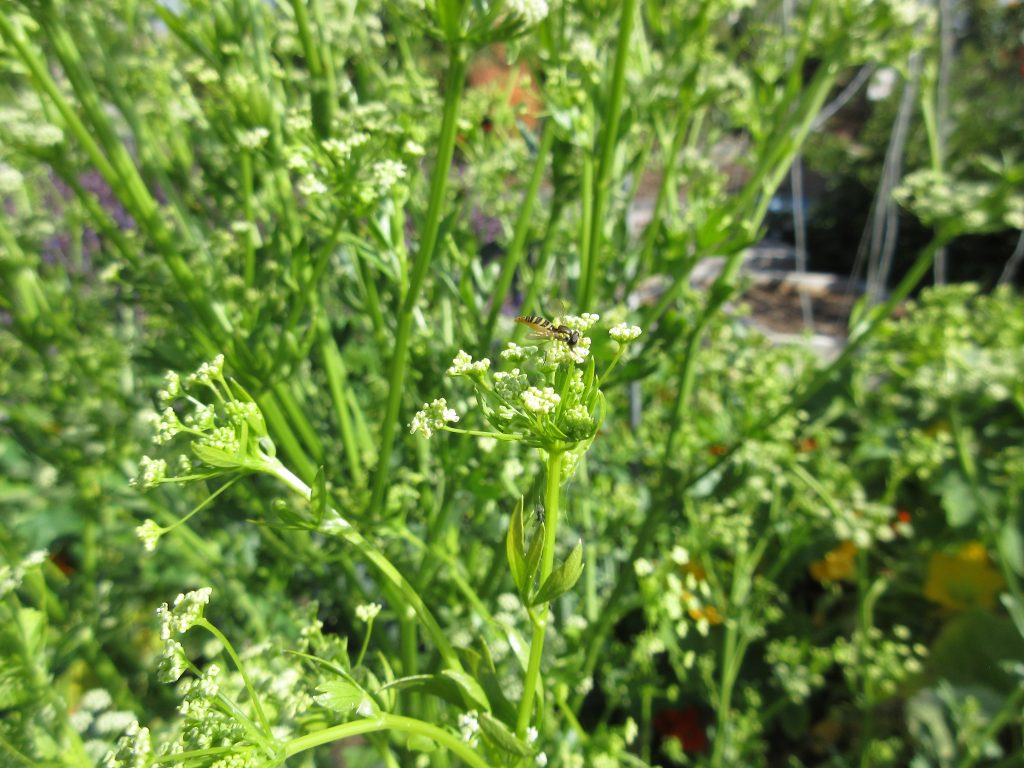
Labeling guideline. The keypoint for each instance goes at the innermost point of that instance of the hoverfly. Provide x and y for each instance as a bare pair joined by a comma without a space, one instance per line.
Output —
545,329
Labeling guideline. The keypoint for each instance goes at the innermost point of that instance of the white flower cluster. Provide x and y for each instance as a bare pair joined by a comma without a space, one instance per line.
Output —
207,372
133,750
187,610
10,578
341,149
310,186
516,354
624,334
386,174
11,179
367,612
151,473
540,400
510,384
464,365
432,418
469,725
557,353
530,11
149,534
254,138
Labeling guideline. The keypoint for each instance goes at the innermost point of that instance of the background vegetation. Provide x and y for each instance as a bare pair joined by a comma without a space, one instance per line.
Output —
686,547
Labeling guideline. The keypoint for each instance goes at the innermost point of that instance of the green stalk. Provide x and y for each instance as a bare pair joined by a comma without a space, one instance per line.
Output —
249,268
385,722
540,269
439,185
586,218
278,425
539,620
405,591
230,650
321,95
515,249
289,395
609,137
337,384
734,644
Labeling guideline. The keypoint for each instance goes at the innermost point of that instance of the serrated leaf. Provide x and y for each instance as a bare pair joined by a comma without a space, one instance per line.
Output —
472,692
318,497
563,578
342,697
499,734
514,544
1011,546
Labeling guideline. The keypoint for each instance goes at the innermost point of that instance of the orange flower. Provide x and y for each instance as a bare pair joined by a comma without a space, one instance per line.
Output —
964,580
837,565
708,612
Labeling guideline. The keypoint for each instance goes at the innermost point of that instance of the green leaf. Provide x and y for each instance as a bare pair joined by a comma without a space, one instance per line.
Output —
32,624
457,688
514,544
1011,546
472,692
533,556
1015,610
563,578
343,697
957,500
318,497
499,734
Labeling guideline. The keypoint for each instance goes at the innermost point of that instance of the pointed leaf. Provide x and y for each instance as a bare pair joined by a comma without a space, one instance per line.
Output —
533,559
957,500
1011,546
343,697
457,688
563,578
1015,609
499,734
472,693
514,544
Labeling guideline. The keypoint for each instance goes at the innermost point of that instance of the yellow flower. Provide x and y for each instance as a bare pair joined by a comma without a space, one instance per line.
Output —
837,565
964,580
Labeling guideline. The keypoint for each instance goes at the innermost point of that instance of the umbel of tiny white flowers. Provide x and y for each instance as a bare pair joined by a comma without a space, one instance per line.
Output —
225,431
550,400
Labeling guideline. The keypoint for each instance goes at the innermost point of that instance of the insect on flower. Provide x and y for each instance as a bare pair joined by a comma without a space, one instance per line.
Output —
545,329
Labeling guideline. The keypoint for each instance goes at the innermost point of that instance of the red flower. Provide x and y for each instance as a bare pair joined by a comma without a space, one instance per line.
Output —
682,724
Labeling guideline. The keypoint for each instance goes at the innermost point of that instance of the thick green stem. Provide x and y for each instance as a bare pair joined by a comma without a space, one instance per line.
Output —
386,722
539,619
321,91
439,185
609,137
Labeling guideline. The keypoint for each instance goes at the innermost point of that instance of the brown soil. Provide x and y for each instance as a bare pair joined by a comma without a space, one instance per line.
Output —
776,306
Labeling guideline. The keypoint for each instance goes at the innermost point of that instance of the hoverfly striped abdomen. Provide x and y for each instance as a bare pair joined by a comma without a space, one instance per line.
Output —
545,329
